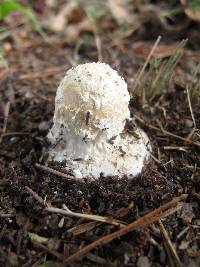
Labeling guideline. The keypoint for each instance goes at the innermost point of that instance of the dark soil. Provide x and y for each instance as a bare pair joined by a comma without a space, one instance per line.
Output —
174,170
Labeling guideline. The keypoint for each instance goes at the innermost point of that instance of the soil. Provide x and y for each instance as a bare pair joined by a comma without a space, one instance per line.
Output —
30,86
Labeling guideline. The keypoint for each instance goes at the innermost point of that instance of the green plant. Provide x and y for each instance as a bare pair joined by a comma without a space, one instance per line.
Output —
3,61
159,74
9,6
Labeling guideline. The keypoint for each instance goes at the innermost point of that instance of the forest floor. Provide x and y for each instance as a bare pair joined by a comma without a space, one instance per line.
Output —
168,109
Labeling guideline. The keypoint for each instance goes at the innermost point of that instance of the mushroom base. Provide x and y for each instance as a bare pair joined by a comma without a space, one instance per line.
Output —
125,154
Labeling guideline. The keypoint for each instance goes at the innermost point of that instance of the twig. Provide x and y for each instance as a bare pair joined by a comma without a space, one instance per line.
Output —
15,134
169,245
138,224
96,36
97,218
53,252
6,112
145,64
35,195
183,232
99,46
52,171
166,132
179,148
68,212
3,230
99,260
190,106
174,209
7,215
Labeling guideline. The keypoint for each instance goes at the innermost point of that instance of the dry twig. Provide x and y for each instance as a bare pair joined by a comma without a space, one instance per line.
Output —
138,224
172,254
52,171
67,212
166,132
6,112
15,134
51,251
35,195
190,106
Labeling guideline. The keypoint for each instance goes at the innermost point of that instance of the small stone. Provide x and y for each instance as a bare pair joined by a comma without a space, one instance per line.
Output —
189,123
143,261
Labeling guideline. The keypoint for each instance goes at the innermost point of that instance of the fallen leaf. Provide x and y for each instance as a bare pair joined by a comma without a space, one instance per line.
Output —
82,228
74,30
68,13
37,238
143,49
184,244
186,213
118,8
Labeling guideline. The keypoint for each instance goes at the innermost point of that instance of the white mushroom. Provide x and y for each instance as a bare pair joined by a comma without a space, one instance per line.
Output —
91,110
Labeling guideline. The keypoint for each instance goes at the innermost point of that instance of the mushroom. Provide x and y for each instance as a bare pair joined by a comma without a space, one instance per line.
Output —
88,132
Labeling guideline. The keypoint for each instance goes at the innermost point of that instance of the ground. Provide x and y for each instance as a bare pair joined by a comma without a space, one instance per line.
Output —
169,112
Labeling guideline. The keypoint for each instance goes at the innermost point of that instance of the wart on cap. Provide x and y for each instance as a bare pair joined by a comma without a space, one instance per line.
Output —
91,110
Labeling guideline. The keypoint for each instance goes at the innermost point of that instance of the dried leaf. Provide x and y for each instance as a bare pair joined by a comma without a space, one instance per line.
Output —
186,213
184,244
82,228
69,13
37,238
118,8
143,49
74,30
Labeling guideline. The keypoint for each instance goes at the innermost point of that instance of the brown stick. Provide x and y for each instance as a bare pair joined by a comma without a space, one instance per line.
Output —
51,251
35,195
65,211
169,245
166,132
85,216
52,171
140,223
6,112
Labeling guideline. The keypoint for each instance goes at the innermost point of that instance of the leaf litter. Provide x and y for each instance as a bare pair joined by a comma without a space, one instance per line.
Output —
32,236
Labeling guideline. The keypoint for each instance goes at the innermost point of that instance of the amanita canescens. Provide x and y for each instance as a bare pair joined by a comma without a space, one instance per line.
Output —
88,132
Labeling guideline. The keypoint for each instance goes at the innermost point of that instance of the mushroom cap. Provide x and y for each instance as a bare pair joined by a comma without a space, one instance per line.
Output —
92,101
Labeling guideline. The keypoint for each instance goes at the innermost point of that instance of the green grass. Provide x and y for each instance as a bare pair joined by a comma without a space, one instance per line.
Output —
3,61
9,6
158,76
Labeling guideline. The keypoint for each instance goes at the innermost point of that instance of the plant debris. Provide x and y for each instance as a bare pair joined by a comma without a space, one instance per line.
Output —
166,105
